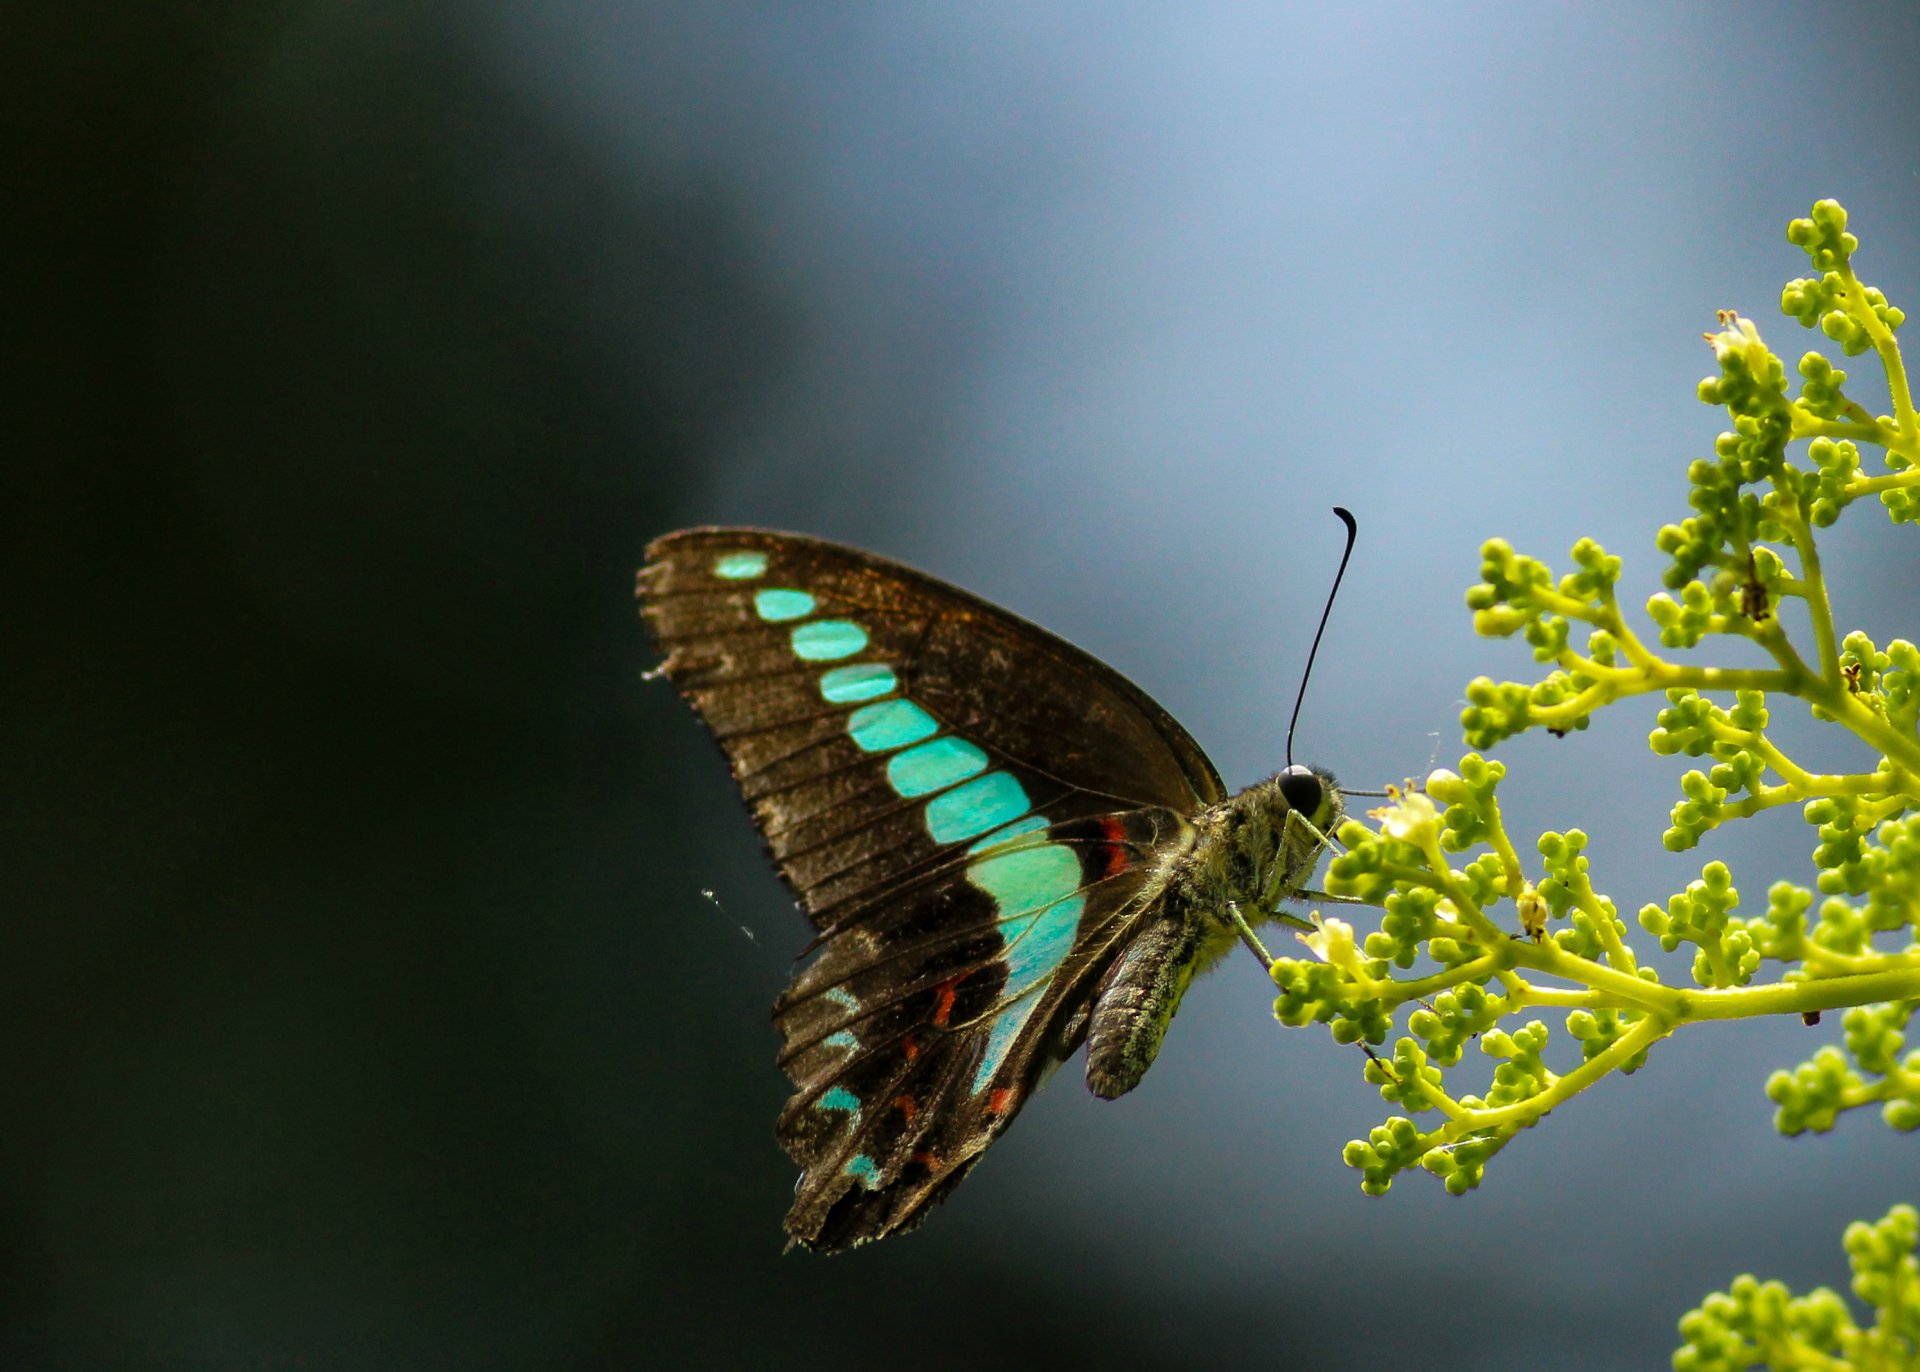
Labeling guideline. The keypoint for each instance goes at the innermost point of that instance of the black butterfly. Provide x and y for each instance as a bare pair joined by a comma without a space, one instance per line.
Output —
1006,847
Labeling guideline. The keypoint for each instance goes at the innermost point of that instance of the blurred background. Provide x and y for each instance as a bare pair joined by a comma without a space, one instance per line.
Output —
363,1007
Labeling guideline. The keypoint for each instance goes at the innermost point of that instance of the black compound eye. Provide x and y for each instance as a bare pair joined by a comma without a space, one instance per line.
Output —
1303,789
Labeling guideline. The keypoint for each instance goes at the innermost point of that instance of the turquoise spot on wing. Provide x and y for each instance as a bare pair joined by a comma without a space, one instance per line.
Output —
934,766
1024,880
861,681
839,1098
1037,945
970,810
740,566
844,1038
1042,942
1035,889
1001,1035
890,724
1007,833
824,640
1036,893
864,1170
776,605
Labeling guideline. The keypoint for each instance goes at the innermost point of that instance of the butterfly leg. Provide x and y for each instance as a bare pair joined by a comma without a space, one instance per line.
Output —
1282,884
1326,897
1247,936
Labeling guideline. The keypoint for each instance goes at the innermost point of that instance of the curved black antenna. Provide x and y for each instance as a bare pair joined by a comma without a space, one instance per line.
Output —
1353,532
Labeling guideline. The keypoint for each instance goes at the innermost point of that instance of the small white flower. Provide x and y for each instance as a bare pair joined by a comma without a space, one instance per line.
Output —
1738,335
1332,942
1413,819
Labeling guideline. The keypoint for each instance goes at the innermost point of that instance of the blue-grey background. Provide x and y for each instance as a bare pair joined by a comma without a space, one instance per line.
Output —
362,1005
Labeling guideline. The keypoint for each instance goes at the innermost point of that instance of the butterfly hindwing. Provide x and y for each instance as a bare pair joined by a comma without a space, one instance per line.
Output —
969,809
914,1040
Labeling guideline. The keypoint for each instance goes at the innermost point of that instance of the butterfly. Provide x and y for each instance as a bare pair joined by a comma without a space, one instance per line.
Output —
1007,851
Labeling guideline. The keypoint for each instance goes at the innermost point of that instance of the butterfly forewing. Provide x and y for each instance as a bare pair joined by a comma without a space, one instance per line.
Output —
970,810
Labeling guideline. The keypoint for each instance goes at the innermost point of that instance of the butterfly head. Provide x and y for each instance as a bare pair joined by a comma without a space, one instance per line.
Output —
1255,849
1313,794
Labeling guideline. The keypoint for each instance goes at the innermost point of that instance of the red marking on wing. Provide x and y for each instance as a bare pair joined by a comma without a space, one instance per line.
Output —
1116,846
943,998
929,1161
910,1048
905,1105
998,1100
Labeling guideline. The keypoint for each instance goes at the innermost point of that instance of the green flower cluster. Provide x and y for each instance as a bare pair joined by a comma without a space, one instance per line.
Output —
1439,914
1760,1324
1812,1095
1438,861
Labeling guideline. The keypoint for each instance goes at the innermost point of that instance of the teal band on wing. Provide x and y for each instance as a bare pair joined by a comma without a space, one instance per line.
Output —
1009,832
971,810
890,724
864,1170
839,1098
934,766
1025,881
778,604
824,640
740,566
1036,893
861,681
1001,1035
1037,943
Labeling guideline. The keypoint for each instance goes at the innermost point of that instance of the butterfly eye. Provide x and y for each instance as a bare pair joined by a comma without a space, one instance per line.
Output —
1303,790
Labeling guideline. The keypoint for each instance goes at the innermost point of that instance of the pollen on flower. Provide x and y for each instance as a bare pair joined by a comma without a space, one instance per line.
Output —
1737,335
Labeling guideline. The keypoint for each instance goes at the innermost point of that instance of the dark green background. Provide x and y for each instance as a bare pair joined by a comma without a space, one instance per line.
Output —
361,1007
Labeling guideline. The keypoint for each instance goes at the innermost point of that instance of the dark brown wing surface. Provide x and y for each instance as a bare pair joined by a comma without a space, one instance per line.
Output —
967,807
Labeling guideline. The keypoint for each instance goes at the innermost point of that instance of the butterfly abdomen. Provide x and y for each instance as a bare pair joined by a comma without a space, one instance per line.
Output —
1137,999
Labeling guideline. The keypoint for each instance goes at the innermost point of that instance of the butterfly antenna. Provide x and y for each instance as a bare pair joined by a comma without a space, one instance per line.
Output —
1353,531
